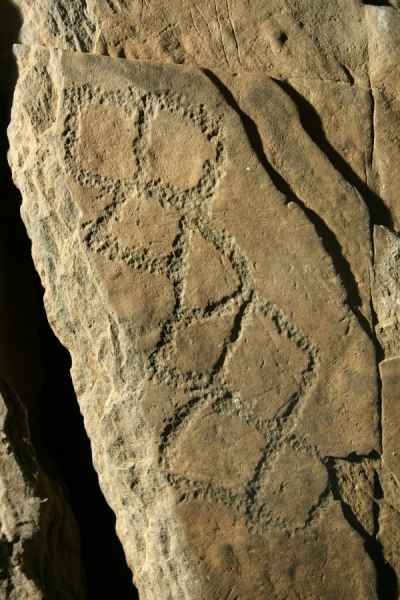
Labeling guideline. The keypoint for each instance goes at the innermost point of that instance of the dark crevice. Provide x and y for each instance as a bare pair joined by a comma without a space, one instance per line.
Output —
387,585
59,435
327,236
378,490
386,579
355,458
341,265
348,74
312,125
234,334
372,127
253,136
60,439
379,214
378,3
38,368
379,356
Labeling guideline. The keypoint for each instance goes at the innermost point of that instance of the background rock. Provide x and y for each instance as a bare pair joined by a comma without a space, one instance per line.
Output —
330,38
40,554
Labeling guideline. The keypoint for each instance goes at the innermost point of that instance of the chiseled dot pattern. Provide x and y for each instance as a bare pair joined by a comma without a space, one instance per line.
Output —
185,287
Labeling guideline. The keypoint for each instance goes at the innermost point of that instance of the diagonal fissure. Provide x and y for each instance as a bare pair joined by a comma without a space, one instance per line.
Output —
386,579
312,125
328,238
379,214
387,585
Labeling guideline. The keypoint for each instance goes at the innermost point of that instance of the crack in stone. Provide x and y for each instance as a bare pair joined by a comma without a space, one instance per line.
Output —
387,577
343,267
377,3
372,154
327,236
387,585
379,214
312,125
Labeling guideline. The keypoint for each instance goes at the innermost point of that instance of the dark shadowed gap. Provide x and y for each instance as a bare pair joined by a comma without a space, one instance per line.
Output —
377,3
59,428
386,578
10,24
327,236
387,584
58,432
312,125
379,214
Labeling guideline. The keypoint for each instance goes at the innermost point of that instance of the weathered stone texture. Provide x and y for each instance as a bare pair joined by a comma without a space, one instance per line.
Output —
212,223
256,387
386,289
383,39
235,35
40,555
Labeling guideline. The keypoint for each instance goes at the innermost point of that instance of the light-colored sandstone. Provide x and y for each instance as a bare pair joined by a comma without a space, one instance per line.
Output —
386,289
383,37
215,405
383,42
202,222
317,40
390,371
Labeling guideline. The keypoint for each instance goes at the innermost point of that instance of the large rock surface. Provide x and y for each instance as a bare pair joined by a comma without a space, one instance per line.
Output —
205,232
235,34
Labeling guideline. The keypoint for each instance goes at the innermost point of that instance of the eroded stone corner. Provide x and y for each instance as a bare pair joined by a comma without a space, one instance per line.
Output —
39,539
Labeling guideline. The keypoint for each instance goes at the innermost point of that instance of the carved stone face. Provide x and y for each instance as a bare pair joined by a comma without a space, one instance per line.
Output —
222,364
